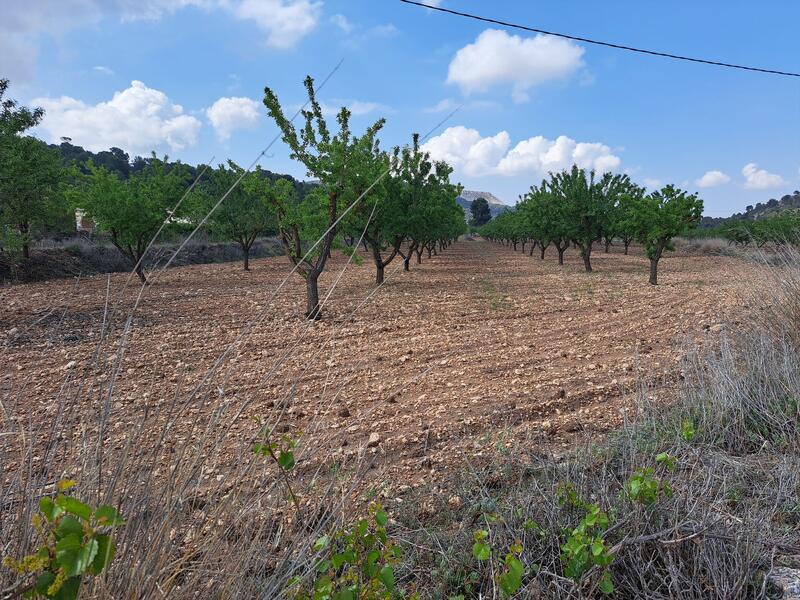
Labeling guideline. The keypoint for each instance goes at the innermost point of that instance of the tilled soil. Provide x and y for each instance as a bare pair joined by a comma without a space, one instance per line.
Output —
474,351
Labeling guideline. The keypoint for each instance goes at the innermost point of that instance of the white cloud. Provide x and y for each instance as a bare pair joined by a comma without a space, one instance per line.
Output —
465,150
473,155
441,106
712,179
137,119
24,24
759,179
342,23
653,183
103,70
497,58
227,114
284,21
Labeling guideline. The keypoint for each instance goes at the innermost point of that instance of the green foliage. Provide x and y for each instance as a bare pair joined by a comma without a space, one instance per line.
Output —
480,212
281,451
15,119
585,547
76,540
353,565
776,229
664,214
248,208
31,197
332,160
132,210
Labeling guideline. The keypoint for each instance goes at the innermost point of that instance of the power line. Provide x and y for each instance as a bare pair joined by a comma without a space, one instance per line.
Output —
598,42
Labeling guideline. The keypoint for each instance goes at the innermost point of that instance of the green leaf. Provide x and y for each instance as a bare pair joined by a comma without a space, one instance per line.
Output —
386,576
346,594
606,585
49,509
481,551
69,526
70,589
286,460
381,518
108,515
322,543
106,549
67,549
43,582
75,507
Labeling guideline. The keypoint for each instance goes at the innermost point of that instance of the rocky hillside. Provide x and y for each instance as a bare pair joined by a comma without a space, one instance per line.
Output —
496,206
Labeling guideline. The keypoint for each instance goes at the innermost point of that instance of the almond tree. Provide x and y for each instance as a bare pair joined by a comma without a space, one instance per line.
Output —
247,211
661,216
329,159
133,210
588,204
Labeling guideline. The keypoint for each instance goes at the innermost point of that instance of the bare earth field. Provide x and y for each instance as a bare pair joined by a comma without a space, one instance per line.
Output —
473,350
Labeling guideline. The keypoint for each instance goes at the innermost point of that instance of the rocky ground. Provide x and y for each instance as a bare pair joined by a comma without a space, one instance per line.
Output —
474,351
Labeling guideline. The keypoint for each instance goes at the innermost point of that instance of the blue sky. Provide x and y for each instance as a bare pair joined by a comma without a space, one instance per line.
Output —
528,104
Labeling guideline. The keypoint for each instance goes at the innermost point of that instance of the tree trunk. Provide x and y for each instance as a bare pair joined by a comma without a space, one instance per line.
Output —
653,271
406,260
560,254
627,243
26,250
608,245
541,251
586,254
140,271
654,264
379,273
246,251
533,247
523,246
429,251
313,309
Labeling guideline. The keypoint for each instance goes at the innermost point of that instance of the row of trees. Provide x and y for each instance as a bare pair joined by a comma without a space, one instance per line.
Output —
397,203
578,207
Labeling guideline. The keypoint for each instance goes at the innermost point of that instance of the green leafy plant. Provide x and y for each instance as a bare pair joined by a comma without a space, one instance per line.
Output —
643,487
353,565
687,430
76,540
510,578
281,451
585,547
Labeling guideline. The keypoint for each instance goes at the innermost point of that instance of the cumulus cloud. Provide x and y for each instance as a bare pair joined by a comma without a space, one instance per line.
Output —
474,155
137,119
496,58
759,179
284,21
227,114
712,179
24,23
465,150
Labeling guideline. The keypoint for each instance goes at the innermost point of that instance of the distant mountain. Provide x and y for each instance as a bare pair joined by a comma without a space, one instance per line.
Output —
496,206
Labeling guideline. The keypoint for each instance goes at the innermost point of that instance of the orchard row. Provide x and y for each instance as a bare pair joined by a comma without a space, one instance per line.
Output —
396,203
578,207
